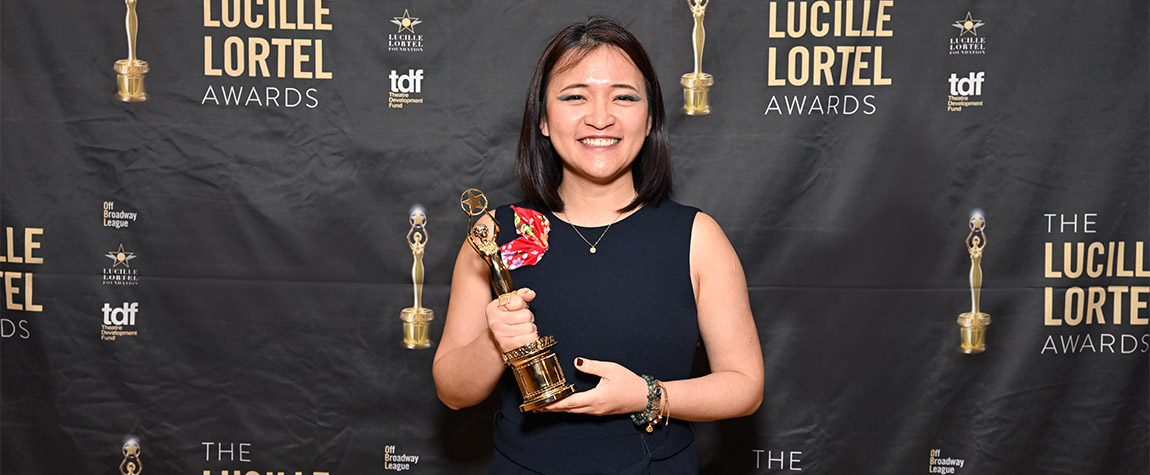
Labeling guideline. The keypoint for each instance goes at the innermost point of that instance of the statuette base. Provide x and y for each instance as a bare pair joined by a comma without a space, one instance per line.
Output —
973,332
130,80
538,374
696,88
416,331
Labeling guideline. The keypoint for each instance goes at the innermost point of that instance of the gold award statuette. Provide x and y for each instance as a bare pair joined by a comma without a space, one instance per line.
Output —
131,464
130,72
696,84
416,318
973,324
535,365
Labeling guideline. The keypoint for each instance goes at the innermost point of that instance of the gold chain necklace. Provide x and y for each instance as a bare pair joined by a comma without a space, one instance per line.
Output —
593,246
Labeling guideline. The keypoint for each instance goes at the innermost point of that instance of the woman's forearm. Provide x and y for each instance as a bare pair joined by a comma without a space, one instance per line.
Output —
466,375
719,395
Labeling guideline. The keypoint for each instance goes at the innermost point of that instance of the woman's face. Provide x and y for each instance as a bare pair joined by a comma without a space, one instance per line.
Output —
597,115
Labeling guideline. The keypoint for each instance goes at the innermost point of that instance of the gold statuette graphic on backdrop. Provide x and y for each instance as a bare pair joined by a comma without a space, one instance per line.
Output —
416,318
130,72
697,84
973,324
536,368
131,464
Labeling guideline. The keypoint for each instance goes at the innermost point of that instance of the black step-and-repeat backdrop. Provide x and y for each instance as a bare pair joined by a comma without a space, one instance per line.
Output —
210,281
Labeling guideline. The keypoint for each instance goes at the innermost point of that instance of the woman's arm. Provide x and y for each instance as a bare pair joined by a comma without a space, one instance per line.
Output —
467,363
469,360
734,387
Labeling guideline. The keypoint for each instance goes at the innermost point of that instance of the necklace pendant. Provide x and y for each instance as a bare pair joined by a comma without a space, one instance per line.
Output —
592,249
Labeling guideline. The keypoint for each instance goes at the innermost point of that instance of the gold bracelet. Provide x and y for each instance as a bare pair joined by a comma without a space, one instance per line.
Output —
666,406
658,415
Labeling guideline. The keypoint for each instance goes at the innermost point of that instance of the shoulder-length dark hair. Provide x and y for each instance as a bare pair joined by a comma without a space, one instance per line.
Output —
539,169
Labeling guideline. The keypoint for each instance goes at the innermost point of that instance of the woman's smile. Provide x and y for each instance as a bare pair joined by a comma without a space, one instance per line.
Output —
599,142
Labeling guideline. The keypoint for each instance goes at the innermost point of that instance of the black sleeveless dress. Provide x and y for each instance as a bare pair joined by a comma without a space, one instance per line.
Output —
632,303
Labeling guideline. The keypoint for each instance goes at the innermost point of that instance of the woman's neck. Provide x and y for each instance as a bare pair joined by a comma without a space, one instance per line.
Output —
592,205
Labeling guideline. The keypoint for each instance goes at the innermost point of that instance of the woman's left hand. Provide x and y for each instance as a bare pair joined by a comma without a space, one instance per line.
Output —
620,391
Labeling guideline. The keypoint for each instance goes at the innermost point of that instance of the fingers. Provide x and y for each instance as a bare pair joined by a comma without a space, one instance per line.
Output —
510,321
510,337
619,391
594,367
607,370
578,403
516,300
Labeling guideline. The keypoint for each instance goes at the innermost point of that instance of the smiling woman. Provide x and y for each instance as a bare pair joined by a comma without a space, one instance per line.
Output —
627,281
597,118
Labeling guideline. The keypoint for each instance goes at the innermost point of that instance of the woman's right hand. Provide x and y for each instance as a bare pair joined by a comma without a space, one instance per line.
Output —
511,322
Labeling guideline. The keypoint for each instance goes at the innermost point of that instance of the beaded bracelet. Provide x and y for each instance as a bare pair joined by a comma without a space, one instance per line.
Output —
653,414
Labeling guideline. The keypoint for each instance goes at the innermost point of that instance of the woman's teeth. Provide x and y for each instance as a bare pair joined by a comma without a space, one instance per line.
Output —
599,142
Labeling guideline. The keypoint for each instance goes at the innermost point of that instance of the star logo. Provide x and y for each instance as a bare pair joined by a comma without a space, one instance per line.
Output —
120,256
968,25
406,22
473,201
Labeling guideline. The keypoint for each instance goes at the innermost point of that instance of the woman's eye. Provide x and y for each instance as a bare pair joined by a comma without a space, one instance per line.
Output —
570,97
629,98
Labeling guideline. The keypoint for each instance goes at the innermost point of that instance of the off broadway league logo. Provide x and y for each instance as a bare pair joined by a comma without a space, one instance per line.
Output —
398,462
945,466
114,218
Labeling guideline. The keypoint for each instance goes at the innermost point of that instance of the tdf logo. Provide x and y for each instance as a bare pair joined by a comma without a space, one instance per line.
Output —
125,315
412,82
968,86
